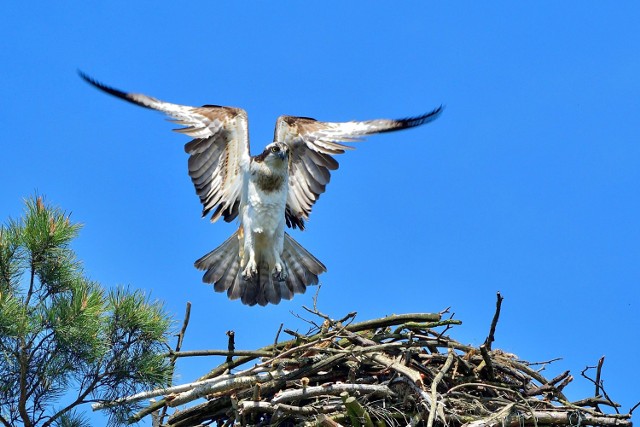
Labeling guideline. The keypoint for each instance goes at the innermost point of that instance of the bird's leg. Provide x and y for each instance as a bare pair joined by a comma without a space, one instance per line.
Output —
251,269
278,272
251,266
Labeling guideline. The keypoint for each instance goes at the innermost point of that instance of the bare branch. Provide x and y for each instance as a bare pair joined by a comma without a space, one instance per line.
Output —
161,414
434,388
331,389
598,372
494,322
201,353
598,383
210,388
231,345
275,340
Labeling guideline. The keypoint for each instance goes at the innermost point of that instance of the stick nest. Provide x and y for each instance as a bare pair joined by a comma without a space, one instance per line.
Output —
397,370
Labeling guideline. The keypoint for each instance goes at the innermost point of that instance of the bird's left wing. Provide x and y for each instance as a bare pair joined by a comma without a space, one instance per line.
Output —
218,154
312,146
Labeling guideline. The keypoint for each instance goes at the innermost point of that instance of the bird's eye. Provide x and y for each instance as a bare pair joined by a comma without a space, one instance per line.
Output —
275,149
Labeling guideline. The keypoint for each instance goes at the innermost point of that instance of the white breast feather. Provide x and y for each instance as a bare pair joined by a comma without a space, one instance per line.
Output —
265,210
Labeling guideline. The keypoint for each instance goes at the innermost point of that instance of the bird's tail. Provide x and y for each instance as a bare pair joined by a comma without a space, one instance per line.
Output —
222,267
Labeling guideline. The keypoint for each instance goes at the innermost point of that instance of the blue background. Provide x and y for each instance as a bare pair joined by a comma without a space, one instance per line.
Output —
527,184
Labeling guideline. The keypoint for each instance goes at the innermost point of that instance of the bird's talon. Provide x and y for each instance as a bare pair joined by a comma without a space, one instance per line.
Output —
250,271
279,274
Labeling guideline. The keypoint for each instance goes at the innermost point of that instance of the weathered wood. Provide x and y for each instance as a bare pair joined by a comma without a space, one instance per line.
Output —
434,389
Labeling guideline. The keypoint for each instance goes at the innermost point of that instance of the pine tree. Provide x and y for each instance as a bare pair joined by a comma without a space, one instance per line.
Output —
64,340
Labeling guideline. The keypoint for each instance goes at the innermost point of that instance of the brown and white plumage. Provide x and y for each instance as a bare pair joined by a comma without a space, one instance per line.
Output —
313,145
260,263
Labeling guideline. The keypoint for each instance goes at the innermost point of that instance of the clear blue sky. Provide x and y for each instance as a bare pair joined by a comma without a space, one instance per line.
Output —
527,184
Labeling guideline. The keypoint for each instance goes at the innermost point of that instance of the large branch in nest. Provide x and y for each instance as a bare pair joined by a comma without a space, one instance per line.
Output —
331,389
558,418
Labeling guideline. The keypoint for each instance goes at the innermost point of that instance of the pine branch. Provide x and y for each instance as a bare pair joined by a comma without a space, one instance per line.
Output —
61,324
23,361
4,421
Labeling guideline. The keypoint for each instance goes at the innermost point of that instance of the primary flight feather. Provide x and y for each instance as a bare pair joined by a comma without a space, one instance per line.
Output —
260,263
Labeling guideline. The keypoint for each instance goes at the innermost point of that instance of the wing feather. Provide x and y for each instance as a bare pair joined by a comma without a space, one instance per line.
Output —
313,144
218,154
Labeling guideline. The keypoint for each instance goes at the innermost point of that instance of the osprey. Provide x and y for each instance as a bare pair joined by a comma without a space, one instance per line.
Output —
260,263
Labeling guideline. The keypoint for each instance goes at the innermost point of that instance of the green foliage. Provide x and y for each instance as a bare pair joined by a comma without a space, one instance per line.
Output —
72,419
63,339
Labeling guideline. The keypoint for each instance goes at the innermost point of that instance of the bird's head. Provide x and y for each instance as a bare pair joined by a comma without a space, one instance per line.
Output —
274,153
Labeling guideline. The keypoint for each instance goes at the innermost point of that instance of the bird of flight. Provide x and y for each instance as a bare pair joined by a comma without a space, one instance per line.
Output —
261,263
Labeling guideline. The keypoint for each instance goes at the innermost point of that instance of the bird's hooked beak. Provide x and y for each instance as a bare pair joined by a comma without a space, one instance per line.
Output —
282,155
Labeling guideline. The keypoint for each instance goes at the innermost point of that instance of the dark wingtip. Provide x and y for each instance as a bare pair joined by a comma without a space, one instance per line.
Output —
84,76
424,118
111,91
93,82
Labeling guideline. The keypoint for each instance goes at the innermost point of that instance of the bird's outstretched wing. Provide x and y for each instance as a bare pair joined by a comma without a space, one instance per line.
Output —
218,154
312,147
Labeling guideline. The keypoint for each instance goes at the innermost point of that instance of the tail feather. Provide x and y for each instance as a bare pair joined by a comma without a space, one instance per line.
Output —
304,268
264,289
311,263
222,266
297,280
230,279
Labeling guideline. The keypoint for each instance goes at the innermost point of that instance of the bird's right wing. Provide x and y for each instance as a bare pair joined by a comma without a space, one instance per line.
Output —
313,144
218,154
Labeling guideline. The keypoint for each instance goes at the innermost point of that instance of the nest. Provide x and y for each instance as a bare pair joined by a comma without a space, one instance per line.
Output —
398,370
